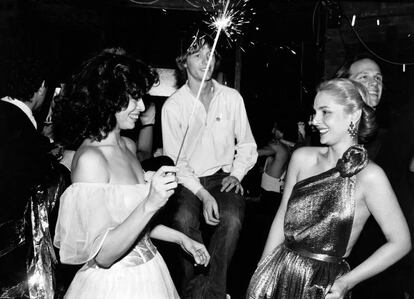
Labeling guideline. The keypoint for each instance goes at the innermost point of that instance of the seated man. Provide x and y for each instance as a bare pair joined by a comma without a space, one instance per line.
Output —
217,151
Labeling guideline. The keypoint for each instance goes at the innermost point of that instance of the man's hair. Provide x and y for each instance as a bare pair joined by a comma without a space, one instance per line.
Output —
23,77
344,69
197,42
89,102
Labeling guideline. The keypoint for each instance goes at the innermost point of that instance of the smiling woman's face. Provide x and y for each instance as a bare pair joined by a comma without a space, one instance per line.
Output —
330,119
126,118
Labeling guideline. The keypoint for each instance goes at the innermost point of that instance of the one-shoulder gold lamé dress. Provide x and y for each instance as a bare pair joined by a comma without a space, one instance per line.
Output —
317,227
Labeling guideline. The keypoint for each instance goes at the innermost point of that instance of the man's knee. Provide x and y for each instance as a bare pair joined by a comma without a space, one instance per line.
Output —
232,213
232,221
185,218
185,209
232,207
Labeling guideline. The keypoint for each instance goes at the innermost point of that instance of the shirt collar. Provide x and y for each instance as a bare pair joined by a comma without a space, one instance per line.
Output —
216,87
22,107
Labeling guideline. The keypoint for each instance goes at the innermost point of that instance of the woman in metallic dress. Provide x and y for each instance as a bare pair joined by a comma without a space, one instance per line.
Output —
329,194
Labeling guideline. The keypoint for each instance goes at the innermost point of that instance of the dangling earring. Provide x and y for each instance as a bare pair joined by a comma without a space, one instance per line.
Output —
352,130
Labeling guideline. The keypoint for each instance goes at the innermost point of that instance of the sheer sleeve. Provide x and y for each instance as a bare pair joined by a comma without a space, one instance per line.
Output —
87,213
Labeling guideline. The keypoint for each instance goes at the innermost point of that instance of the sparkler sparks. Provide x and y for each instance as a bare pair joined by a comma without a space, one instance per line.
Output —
229,17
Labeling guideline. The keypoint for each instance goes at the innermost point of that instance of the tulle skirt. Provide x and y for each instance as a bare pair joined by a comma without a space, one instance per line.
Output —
150,280
286,274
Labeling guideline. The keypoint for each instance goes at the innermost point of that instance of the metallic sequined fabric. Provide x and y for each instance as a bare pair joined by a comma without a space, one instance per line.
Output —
41,259
318,220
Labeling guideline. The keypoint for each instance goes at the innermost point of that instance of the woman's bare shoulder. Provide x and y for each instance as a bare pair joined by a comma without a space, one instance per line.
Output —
307,152
88,154
89,165
373,182
371,173
303,159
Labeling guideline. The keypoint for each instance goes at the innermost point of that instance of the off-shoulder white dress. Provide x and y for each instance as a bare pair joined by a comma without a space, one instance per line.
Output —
88,211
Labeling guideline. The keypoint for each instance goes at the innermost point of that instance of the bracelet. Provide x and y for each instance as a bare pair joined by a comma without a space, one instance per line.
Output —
147,125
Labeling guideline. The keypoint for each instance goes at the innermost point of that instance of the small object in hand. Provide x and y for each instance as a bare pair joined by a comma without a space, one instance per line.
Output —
170,174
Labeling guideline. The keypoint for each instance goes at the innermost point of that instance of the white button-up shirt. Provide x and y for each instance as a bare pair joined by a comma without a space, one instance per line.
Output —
219,138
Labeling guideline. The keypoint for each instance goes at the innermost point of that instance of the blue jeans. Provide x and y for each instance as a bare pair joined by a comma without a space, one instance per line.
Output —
199,282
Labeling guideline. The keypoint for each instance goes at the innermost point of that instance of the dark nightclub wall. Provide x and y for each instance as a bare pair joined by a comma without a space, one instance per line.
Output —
287,48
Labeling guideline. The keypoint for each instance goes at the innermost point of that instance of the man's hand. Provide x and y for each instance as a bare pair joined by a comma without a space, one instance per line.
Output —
210,207
228,183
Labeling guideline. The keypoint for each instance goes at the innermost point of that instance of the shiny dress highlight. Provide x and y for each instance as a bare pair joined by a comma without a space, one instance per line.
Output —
317,226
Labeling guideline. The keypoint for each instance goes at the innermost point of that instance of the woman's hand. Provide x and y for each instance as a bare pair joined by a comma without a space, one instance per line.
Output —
197,250
338,290
162,187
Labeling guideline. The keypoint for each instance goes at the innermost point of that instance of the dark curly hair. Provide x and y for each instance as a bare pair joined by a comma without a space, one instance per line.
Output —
87,107
353,96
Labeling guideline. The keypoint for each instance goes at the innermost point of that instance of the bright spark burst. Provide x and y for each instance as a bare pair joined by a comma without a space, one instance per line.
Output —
229,17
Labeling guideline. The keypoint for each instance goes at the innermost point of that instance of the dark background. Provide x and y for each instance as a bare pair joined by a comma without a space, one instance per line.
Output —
288,47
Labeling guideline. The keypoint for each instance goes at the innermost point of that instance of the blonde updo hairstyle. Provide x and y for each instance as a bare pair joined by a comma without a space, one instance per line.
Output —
353,95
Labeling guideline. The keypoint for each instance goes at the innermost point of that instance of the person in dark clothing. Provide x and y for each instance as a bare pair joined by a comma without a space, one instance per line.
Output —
23,161
394,157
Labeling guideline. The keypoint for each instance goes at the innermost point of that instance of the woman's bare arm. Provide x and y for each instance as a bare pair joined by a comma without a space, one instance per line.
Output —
192,247
383,205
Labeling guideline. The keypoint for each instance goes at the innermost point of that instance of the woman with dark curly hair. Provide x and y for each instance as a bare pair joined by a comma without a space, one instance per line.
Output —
329,194
104,216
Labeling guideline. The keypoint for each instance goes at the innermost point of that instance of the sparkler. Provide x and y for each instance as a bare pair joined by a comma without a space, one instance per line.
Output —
227,18
231,19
